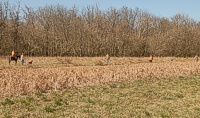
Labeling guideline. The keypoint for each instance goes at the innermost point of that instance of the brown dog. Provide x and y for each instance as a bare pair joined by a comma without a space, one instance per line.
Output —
30,62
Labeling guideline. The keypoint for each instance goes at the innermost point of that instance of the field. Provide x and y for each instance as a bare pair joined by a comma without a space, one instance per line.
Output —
90,87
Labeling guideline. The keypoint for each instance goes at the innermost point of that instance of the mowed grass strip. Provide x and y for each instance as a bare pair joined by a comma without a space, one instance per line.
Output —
166,97
53,62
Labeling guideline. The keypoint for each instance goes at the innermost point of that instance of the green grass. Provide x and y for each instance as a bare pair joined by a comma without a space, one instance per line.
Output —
164,98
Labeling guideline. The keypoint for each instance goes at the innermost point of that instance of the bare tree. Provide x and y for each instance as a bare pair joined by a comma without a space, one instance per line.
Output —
61,31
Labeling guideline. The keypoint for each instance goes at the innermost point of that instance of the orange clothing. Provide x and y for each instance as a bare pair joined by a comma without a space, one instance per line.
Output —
151,58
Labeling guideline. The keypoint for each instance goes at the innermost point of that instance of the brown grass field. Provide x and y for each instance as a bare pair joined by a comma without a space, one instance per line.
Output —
52,74
90,87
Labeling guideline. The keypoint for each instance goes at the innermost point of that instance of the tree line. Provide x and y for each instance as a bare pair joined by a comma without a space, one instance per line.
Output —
55,30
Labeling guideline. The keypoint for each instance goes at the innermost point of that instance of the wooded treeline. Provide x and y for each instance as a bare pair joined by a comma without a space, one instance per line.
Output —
89,31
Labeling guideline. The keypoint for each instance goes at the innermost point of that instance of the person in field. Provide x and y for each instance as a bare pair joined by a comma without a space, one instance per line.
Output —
13,53
107,58
150,58
22,58
196,58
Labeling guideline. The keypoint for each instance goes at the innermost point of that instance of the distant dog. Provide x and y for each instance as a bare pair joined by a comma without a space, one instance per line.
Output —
30,62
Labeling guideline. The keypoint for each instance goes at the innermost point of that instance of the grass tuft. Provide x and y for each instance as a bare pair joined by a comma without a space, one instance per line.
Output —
7,102
49,109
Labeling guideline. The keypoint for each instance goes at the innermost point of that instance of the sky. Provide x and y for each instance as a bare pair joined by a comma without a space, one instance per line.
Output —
161,8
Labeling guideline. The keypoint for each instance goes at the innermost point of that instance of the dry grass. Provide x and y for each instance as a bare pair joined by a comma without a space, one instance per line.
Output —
125,87
52,74
169,97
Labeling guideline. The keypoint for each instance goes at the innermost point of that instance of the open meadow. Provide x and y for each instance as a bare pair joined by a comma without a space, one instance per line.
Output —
90,87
